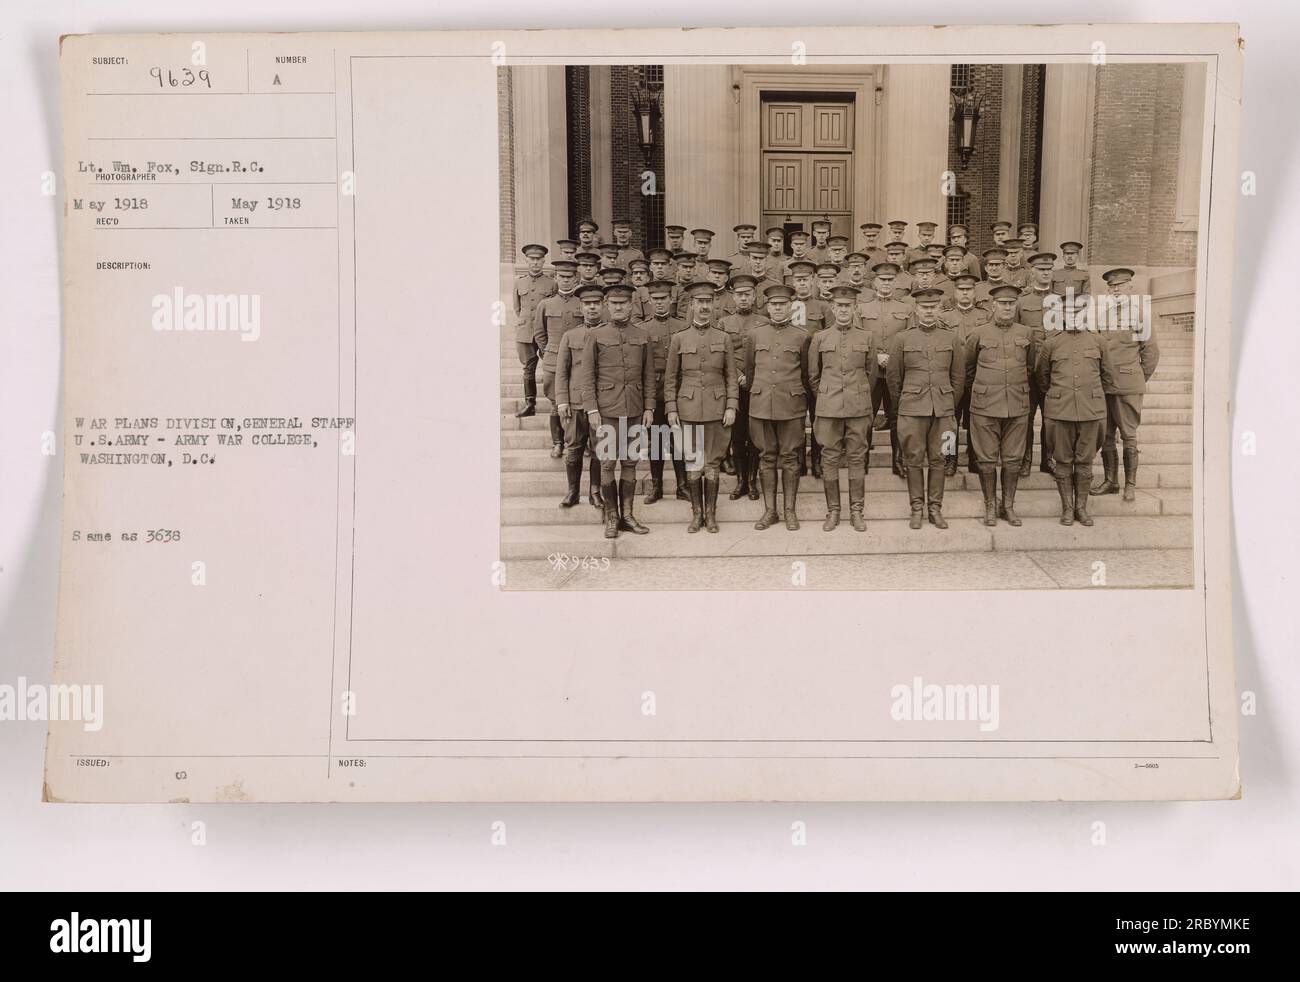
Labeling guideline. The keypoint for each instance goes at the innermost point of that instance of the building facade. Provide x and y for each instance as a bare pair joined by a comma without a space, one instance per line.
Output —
1108,155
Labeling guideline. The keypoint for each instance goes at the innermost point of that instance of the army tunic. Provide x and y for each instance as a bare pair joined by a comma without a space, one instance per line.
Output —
625,256
568,364
999,360
984,291
1017,276
926,375
529,291
816,314
553,318
617,379
842,369
1076,278
1030,311
702,383
737,327
1134,356
963,322
1073,367
776,365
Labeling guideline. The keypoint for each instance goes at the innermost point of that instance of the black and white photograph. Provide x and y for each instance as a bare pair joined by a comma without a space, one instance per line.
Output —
931,325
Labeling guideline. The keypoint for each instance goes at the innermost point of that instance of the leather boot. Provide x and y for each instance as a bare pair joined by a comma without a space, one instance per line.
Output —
609,505
656,482
594,497
679,472
1082,478
697,506
742,477
1065,486
711,504
857,502
557,437
1130,473
934,491
790,488
754,493
803,461
573,471
899,467
989,488
832,489
767,484
817,461
530,408
916,495
1110,471
1027,465
626,499
728,467
949,465
1047,465
972,465
1010,478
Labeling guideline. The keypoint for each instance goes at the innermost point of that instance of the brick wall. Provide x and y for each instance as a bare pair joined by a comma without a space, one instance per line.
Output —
1031,144
1135,168
577,94
506,164
627,160
979,178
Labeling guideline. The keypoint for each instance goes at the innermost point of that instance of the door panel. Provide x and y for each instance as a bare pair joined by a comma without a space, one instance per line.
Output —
807,166
784,187
830,184
783,125
832,126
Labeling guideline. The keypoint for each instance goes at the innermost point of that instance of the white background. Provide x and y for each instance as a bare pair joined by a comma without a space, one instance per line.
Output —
1247,844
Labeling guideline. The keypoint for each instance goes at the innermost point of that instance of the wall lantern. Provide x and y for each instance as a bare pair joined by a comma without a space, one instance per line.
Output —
966,104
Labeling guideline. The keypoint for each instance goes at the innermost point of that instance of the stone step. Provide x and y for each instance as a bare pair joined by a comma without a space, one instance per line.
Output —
539,438
510,364
877,505
528,461
1152,400
514,389
882,537
1028,570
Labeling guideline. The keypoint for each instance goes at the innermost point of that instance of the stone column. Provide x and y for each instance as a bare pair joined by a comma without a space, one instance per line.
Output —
541,155
701,127
1009,137
1068,97
916,114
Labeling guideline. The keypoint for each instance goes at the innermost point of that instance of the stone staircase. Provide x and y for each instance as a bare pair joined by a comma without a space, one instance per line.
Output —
534,527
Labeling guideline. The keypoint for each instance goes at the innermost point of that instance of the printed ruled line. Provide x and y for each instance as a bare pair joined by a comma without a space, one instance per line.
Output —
163,139
205,92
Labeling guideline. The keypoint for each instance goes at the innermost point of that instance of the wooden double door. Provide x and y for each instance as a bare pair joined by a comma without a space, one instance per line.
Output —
807,163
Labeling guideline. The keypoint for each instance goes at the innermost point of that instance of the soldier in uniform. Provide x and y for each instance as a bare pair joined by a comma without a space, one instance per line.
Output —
624,251
1134,355
1001,232
897,229
817,249
776,367
924,271
926,374
775,248
639,271
1073,368
702,388
659,328
798,253
613,276
661,270
719,274
737,326
904,281
759,267
837,247
813,315
855,274
954,265
673,235
925,236
553,316
588,241
884,318
617,379
588,267
1030,310
686,275
578,434
871,247
999,356
703,243
842,369
530,290
962,318
827,275
1028,235
959,235
995,260
745,233
609,257
1070,275
1015,272
566,248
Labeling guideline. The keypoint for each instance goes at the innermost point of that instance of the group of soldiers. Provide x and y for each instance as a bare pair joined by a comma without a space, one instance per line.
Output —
738,353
